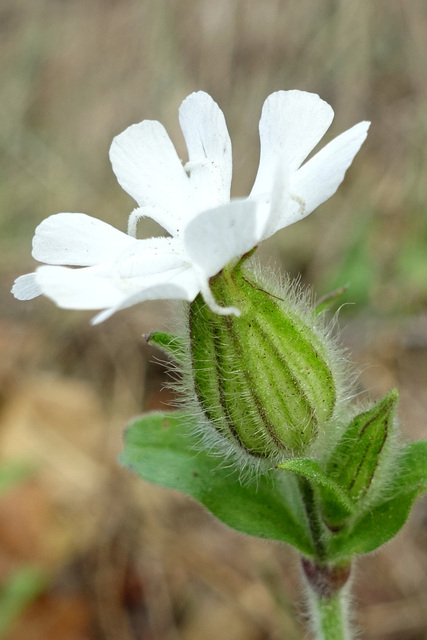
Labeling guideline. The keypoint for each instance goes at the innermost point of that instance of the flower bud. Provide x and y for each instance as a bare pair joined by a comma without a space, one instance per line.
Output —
265,380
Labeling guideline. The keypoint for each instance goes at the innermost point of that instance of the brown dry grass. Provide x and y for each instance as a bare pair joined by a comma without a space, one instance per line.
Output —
127,561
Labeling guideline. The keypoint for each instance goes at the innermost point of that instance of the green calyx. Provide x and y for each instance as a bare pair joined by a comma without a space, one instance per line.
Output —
265,380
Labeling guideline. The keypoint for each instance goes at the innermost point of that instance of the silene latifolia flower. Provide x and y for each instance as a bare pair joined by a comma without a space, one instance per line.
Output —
264,372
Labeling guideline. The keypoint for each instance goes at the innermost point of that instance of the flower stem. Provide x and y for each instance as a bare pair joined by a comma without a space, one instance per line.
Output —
326,584
329,618
327,590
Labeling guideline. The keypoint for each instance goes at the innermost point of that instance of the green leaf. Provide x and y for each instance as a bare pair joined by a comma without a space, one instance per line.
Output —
162,448
380,523
336,505
172,345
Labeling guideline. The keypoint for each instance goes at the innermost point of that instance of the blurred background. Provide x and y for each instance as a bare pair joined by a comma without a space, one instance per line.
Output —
87,552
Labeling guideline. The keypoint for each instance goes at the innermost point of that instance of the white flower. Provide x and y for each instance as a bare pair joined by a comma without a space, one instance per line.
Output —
192,203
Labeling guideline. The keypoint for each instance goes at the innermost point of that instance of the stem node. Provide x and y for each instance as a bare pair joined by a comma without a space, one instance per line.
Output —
325,580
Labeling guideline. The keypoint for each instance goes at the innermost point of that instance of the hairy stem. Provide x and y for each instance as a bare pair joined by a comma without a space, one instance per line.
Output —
327,590
329,617
326,584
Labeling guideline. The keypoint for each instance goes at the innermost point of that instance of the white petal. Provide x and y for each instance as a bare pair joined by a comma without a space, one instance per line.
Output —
156,263
217,236
26,287
164,291
78,288
274,207
209,149
150,258
153,265
148,168
320,177
292,123
77,239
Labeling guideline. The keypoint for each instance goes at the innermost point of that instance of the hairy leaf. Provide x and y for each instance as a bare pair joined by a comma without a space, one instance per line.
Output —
161,448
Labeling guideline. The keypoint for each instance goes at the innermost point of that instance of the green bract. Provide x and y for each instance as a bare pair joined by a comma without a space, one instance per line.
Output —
268,380
356,462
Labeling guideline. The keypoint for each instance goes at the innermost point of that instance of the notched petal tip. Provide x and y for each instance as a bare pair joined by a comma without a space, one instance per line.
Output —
301,99
26,287
208,143
364,128
197,97
360,129
291,125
